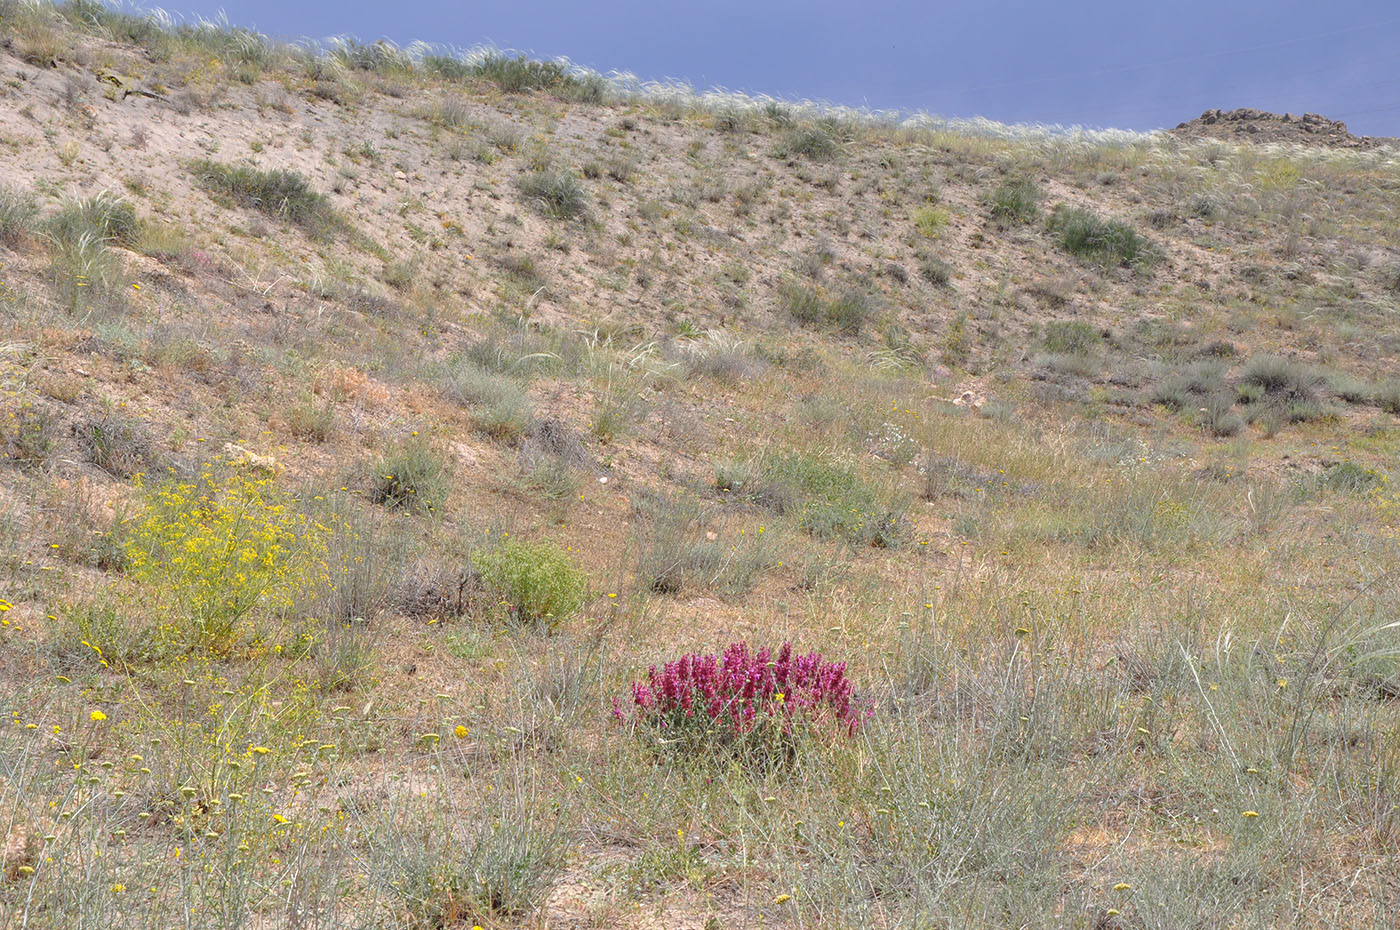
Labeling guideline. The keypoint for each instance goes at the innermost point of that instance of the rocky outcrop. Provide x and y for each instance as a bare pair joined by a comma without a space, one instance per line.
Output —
1248,125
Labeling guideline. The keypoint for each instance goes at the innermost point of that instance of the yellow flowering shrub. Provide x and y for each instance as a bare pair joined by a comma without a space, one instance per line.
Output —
215,550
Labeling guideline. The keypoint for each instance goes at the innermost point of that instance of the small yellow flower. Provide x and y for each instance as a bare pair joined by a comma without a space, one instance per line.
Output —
1250,814
782,899
461,731
1122,886
97,716
261,750
279,818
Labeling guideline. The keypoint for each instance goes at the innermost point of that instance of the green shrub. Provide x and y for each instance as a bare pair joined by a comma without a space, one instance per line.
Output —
555,194
411,477
1015,201
18,210
282,194
1104,242
538,582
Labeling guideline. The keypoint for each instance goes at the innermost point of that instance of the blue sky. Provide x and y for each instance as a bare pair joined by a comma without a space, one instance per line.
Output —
1102,64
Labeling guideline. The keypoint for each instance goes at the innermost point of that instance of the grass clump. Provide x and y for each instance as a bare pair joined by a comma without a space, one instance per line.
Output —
1276,376
551,457
311,421
830,501
520,74
929,221
1104,242
680,553
18,210
1350,477
411,477
118,446
284,195
813,143
1015,202
555,194
449,867
86,272
538,582
935,270
104,216
1074,337
846,312
1386,396
1281,387
500,406
27,436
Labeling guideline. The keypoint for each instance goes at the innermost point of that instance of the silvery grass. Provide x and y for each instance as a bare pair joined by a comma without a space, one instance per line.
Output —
626,86
341,52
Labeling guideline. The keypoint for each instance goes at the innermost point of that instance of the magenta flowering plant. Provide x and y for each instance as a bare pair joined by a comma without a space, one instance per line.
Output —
745,698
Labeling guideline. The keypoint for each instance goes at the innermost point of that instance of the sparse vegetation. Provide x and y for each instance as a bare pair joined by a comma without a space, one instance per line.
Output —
323,559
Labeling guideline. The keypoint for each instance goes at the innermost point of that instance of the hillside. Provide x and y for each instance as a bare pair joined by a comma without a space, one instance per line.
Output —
373,420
